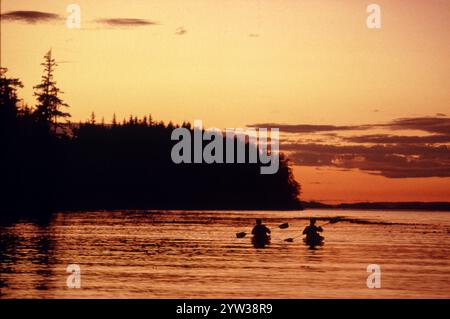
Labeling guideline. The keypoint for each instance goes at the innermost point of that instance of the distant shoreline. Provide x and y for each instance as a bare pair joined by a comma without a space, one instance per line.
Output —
374,206
305,206
402,206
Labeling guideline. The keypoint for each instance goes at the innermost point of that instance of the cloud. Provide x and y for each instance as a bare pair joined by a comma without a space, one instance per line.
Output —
398,139
31,17
387,154
180,31
428,124
309,128
438,124
393,161
125,22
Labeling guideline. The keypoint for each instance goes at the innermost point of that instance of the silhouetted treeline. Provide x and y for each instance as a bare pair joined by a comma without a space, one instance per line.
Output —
49,166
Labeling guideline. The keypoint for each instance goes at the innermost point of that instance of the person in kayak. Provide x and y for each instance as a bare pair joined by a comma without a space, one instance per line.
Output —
312,232
260,233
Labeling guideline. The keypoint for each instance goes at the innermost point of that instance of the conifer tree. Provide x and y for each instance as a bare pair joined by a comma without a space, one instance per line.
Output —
48,109
8,97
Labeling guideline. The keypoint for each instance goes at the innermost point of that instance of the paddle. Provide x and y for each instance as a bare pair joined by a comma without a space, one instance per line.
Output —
242,234
333,220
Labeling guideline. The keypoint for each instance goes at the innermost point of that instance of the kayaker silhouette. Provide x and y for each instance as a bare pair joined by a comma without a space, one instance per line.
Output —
260,234
312,233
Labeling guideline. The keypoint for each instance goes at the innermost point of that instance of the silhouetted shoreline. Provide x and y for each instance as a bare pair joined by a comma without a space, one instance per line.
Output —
50,166
407,206
128,166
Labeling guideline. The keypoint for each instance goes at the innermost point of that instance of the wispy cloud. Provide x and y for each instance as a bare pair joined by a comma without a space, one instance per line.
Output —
125,22
431,124
389,154
180,31
31,17
398,139
393,161
439,124
310,128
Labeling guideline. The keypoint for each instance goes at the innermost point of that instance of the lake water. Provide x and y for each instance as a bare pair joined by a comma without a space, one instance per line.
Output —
191,254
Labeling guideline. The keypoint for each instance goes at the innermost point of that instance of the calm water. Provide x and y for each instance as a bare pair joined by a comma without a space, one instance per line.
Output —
197,255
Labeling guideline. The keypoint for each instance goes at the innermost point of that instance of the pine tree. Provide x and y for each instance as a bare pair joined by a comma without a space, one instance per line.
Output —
48,110
8,96
92,121
114,120
150,120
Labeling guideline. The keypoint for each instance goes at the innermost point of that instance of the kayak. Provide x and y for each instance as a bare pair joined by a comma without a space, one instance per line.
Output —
260,241
316,240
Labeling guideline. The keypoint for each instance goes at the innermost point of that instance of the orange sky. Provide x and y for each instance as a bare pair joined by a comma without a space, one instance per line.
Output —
245,62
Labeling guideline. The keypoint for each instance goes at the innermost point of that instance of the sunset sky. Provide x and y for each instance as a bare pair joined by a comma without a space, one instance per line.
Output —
364,113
